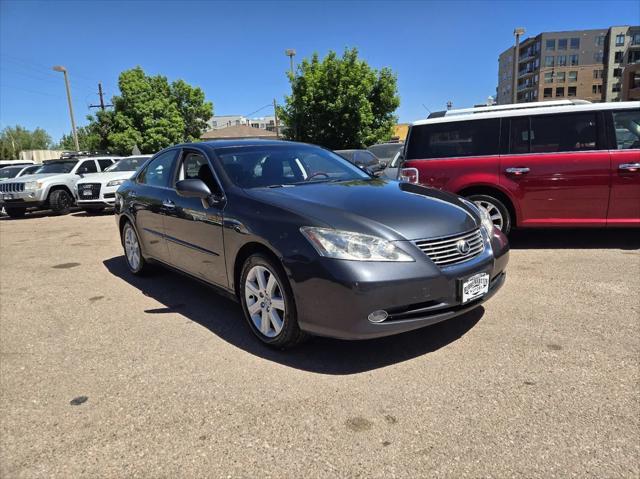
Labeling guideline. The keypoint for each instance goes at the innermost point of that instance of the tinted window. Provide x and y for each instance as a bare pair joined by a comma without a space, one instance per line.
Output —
627,125
158,171
104,164
58,167
454,139
347,155
366,158
519,139
87,166
31,170
554,133
386,151
288,164
195,166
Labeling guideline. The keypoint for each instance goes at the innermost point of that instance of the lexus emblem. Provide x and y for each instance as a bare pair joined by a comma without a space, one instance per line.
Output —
463,247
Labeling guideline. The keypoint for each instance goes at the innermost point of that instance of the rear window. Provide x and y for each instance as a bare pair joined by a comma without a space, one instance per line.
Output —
454,139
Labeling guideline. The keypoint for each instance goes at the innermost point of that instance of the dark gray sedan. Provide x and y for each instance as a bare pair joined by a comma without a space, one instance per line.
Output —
307,242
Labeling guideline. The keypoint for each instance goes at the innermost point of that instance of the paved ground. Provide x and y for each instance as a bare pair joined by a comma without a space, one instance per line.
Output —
542,382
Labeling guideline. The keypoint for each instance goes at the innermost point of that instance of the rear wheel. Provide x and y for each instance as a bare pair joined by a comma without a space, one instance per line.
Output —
497,210
16,212
132,251
267,302
60,202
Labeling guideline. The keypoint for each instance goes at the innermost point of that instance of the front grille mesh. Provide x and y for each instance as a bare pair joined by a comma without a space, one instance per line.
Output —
11,187
93,188
444,251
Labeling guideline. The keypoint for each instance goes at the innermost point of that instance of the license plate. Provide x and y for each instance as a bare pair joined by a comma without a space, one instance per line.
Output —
87,192
8,197
475,286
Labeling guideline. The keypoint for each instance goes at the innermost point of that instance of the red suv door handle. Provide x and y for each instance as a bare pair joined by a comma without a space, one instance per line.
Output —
629,166
517,171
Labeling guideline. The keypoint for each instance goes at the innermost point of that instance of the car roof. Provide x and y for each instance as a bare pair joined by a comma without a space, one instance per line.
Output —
521,110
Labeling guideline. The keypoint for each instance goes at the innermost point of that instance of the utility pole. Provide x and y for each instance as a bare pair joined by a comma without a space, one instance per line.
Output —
290,52
62,69
275,113
516,54
102,106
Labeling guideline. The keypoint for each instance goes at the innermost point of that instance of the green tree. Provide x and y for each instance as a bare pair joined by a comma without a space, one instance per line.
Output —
340,102
92,137
15,139
193,108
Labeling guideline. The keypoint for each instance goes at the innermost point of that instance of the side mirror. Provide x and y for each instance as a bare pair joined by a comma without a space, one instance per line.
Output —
193,188
383,165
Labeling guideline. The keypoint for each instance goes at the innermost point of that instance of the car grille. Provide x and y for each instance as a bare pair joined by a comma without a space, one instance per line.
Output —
11,187
93,188
445,251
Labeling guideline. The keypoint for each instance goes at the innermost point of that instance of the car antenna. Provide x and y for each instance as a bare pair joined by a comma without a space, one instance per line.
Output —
425,107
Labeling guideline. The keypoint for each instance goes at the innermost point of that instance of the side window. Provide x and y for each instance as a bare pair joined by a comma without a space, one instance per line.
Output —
158,171
454,139
196,166
627,126
87,166
519,142
367,158
557,133
104,164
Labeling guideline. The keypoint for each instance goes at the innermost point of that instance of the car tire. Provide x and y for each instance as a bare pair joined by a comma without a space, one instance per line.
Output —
93,211
133,251
268,306
497,210
60,202
16,212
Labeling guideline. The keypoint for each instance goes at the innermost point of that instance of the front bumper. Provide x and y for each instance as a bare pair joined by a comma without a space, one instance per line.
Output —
22,199
334,298
106,197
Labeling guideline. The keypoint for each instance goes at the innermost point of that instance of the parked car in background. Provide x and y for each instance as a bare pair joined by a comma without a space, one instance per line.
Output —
9,172
393,168
52,187
283,226
97,191
363,159
556,163
386,152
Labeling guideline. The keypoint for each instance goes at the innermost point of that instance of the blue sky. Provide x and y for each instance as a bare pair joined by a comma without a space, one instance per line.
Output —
235,51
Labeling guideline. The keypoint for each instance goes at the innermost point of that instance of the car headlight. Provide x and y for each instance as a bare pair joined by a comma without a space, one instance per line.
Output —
32,185
352,246
115,182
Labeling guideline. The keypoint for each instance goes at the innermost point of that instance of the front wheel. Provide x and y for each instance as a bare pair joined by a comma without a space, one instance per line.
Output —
60,202
132,251
498,212
267,302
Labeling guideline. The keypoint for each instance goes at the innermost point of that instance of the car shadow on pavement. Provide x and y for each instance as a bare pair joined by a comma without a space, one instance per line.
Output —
223,316
576,238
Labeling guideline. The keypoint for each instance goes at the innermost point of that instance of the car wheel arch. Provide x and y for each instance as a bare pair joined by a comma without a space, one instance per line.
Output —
245,252
495,192
58,188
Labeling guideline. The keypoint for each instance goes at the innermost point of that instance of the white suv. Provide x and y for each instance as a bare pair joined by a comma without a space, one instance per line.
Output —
98,191
52,187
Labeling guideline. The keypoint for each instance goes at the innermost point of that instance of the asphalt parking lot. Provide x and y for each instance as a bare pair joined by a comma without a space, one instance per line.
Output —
167,381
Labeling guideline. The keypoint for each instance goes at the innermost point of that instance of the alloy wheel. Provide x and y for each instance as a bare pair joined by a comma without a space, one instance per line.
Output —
494,213
264,300
132,247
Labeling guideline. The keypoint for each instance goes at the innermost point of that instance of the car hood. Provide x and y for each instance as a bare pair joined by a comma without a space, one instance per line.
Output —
42,176
382,207
106,177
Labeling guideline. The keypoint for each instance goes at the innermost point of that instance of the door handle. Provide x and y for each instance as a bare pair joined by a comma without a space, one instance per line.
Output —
517,171
168,204
629,166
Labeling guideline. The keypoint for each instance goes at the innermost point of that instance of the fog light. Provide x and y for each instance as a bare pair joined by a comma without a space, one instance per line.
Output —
378,316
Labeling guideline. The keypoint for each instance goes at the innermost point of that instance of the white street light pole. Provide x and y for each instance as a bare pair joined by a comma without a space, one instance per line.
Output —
62,69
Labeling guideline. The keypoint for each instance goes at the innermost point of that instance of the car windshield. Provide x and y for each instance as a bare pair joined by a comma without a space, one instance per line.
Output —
9,172
58,167
31,170
386,151
287,164
128,164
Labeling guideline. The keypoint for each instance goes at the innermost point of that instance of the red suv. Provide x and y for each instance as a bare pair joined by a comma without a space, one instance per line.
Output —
559,163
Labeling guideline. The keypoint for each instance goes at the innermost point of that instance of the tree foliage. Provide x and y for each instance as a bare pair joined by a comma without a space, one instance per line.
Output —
150,112
15,139
340,102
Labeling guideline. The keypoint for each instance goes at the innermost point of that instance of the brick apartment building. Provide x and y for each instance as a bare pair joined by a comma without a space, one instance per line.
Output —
581,64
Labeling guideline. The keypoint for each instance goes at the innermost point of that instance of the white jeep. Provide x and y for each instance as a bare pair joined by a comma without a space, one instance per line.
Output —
53,187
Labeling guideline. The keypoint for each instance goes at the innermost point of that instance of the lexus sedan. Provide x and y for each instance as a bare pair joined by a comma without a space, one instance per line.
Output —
307,242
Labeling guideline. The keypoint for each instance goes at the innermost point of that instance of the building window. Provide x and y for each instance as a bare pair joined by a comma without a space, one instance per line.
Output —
597,74
634,56
548,92
575,43
548,61
560,77
573,60
572,91
600,40
636,39
598,57
620,40
561,60
616,87
560,91
535,93
550,45
617,72
562,44
548,77
618,57
573,76
596,89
